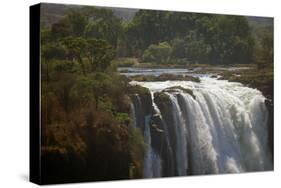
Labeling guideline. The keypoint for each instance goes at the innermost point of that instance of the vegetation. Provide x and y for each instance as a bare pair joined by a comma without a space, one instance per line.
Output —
199,38
86,128
85,102
173,37
125,62
160,52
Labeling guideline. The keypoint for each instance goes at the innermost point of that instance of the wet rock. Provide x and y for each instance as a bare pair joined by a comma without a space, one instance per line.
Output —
270,124
179,88
164,77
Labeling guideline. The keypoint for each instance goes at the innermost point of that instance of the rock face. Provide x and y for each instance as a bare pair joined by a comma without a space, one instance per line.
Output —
161,123
167,141
142,100
146,115
161,145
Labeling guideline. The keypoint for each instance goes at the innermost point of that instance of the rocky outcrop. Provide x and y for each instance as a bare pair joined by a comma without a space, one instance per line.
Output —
168,140
161,144
178,89
165,77
142,100
144,96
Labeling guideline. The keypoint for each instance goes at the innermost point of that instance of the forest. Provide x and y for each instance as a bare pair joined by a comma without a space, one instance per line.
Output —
86,119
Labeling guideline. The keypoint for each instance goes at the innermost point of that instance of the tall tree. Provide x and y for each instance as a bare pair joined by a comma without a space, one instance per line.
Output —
99,53
76,47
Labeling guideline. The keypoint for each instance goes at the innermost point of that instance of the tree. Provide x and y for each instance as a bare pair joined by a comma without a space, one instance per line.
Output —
77,22
76,47
62,89
151,27
61,29
158,53
99,54
95,85
52,51
196,49
102,24
232,42
49,52
264,51
178,48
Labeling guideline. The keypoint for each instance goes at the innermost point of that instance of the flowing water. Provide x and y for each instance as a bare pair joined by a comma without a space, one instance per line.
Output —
221,127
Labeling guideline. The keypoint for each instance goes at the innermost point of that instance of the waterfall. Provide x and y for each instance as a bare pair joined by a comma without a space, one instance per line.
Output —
180,129
201,145
210,127
133,115
152,161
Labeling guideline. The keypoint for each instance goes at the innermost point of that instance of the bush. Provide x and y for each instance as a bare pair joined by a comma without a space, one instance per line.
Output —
137,149
125,62
159,53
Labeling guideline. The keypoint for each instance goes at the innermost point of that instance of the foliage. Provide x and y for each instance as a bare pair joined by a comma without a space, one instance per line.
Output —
159,53
264,48
84,101
125,62
99,54
199,38
137,148
102,24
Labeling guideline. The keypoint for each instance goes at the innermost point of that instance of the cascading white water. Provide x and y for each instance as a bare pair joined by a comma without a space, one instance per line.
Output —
201,146
133,115
181,137
222,130
152,161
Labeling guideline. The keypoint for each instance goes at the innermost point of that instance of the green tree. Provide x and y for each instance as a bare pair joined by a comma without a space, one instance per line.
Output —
77,22
232,36
196,49
178,48
75,47
158,53
102,24
151,27
264,51
61,29
50,52
267,43
99,54
100,84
